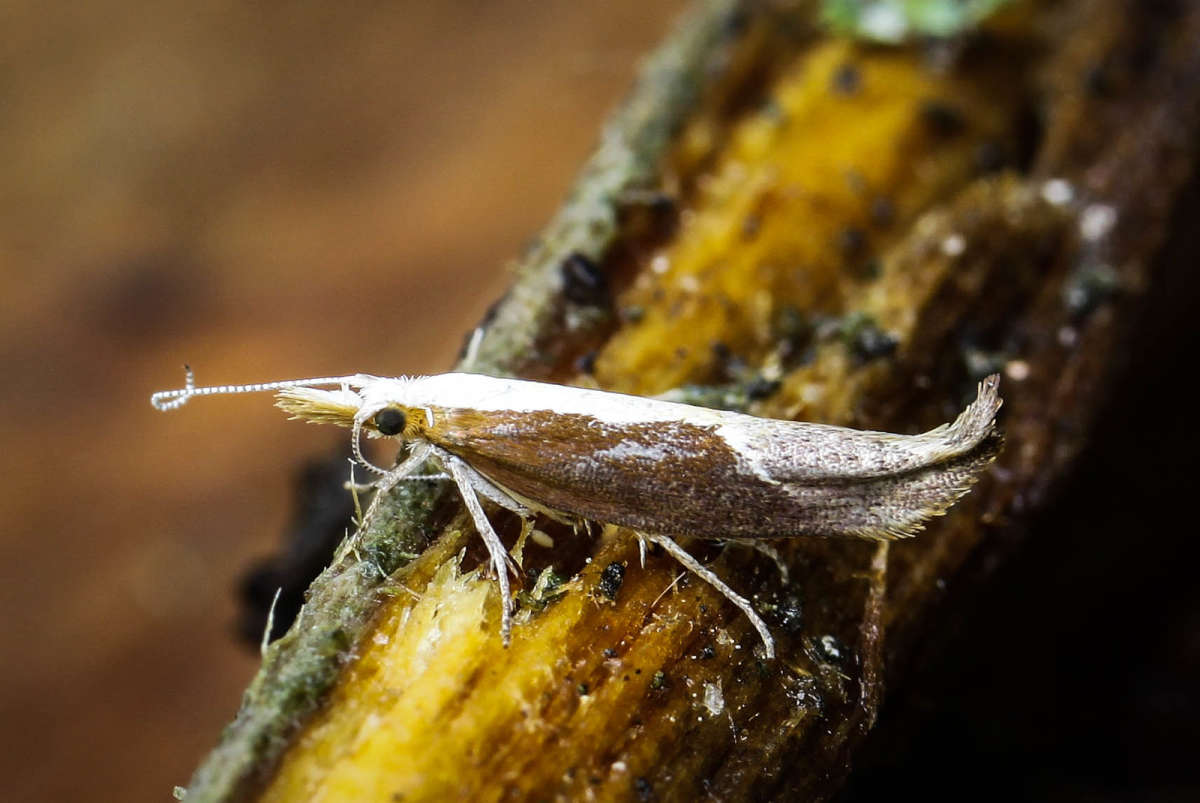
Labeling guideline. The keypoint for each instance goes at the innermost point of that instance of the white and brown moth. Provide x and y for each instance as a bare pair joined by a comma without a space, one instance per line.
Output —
660,468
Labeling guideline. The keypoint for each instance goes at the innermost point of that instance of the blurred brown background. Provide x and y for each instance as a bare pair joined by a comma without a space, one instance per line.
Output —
265,191
270,192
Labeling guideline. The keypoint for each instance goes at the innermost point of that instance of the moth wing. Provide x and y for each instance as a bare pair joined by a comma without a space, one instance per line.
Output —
796,452
888,507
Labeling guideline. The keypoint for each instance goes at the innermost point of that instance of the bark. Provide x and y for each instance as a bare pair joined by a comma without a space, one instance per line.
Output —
801,227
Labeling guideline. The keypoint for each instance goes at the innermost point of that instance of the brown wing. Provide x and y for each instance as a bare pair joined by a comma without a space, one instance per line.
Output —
681,479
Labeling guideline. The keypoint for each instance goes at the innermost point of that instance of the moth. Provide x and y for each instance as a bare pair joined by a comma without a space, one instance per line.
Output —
661,468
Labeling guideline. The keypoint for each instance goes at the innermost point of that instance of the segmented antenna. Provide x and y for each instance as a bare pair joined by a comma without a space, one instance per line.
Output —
173,399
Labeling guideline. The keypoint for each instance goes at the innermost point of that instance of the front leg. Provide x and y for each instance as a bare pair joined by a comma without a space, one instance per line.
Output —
417,456
364,487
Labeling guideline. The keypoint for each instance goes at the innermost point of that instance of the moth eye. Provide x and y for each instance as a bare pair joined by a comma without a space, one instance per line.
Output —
390,421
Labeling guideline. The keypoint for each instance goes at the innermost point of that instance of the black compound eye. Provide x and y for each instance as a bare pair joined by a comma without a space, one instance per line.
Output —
390,421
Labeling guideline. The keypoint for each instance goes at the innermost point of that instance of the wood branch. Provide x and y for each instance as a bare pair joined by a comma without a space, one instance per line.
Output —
805,228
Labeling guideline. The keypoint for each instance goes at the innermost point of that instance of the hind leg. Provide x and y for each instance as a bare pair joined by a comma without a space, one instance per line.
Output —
707,575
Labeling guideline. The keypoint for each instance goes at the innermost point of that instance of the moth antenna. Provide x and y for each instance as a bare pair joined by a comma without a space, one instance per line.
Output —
170,399
173,399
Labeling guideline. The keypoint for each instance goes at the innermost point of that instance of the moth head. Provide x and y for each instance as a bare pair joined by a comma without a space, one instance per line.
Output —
369,407
385,411
375,414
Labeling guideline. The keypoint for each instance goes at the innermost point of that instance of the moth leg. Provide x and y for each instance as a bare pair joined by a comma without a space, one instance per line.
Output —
497,495
419,454
494,493
771,552
499,555
483,487
359,487
364,487
764,548
684,557
488,490
400,473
